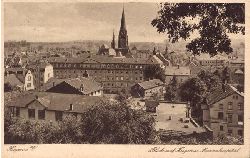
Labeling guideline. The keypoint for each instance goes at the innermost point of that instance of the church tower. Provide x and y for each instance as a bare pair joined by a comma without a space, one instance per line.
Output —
113,41
123,37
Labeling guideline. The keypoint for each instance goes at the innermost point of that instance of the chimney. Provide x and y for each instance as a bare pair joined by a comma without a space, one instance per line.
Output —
53,84
36,96
81,87
223,87
71,107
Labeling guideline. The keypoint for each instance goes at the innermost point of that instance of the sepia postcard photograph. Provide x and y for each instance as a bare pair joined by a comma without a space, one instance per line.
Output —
159,78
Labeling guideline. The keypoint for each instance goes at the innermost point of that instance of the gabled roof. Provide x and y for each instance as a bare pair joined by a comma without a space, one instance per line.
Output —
13,80
57,101
150,84
219,94
89,85
178,71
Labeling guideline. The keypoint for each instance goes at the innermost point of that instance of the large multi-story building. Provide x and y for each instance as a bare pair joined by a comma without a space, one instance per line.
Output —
223,111
115,74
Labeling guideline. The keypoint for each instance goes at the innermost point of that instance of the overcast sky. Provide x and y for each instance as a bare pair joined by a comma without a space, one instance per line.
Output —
79,21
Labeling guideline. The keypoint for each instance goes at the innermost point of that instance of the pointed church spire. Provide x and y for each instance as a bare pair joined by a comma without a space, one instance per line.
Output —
123,23
113,41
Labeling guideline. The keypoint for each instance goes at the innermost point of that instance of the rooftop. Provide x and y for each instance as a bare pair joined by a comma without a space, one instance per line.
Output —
57,101
176,112
177,70
88,84
151,84
13,80
219,94
102,59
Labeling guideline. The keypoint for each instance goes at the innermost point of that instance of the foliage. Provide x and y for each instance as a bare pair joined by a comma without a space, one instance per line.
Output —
194,91
114,123
154,71
226,74
123,95
211,20
171,90
7,87
118,124
211,80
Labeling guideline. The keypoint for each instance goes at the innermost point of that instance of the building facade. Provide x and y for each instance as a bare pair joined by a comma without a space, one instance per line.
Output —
115,74
224,112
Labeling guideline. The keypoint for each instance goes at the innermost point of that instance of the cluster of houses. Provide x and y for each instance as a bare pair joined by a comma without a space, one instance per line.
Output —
60,86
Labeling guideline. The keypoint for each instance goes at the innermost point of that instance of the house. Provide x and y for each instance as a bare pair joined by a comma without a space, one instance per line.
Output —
13,81
223,111
147,89
182,73
42,72
19,77
207,60
51,107
81,85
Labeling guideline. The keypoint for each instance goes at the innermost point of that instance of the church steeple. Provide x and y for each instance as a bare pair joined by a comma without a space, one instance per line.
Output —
123,37
123,23
113,41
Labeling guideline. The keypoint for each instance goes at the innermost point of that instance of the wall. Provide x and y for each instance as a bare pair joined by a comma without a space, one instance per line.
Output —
214,110
29,79
48,73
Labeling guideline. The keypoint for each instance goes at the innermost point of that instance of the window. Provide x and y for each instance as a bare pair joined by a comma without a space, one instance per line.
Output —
121,78
41,114
48,75
230,118
230,105
29,78
17,111
29,85
240,106
240,118
220,115
221,128
240,132
230,131
31,113
221,106
58,115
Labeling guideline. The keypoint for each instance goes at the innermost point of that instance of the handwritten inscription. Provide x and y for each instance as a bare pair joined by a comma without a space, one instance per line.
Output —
15,148
184,150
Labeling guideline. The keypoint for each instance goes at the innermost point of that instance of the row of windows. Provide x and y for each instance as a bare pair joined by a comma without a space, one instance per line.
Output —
101,72
98,66
32,114
230,117
230,106
230,131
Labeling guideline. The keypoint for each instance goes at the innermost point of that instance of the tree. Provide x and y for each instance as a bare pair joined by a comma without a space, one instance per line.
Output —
215,21
7,87
211,80
154,71
123,95
226,75
116,123
171,90
193,90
